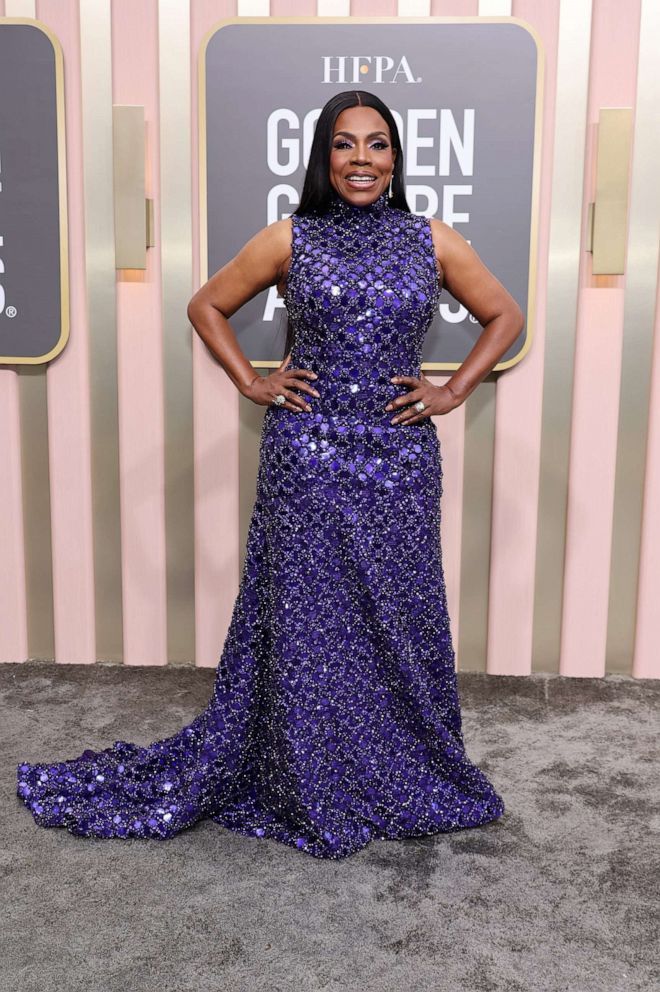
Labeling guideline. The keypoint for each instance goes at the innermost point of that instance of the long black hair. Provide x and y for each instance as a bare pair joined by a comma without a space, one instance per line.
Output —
317,190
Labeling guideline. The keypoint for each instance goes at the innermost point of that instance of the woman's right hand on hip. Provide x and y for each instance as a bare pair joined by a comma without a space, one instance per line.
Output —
263,389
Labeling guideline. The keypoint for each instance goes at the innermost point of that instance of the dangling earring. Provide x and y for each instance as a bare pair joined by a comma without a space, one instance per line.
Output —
391,179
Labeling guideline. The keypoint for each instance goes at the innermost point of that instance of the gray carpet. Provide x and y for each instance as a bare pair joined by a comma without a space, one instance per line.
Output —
561,893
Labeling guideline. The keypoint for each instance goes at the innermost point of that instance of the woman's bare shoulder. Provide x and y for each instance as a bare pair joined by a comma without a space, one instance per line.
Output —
279,234
443,235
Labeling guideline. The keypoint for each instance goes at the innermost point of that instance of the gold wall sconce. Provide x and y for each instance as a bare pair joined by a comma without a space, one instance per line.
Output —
133,212
607,220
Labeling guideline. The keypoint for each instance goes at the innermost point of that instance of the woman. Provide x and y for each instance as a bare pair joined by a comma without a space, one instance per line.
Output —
335,716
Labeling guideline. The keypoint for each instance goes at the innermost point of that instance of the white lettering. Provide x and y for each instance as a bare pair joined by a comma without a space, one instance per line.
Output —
383,64
372,69
309,126
429,197
285,155
334,64
449,214
414,142
404,68
273,202
275,143
451,140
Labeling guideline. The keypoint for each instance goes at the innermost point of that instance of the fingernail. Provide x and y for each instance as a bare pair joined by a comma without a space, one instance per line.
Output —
315,393
389,406
394,378
308,407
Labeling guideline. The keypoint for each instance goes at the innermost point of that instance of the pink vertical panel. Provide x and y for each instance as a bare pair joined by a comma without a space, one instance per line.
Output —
599,341
373,8
646,659
68,385
216,426
518,425
592,470
454,8
293,8
140,363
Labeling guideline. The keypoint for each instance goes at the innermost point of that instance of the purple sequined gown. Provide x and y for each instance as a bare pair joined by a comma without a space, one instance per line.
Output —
334,717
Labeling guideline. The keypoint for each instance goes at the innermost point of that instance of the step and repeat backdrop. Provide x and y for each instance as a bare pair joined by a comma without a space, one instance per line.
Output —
141,146
470,136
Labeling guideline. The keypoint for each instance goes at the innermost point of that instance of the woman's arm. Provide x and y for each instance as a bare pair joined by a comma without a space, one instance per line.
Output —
483,295
259,264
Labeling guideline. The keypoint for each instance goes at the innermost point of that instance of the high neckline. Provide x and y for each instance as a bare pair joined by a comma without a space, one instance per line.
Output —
343,208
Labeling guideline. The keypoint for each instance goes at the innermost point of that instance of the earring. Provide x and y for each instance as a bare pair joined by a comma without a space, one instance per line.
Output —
391,180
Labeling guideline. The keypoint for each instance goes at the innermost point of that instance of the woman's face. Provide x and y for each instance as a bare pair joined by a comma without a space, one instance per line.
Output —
361,145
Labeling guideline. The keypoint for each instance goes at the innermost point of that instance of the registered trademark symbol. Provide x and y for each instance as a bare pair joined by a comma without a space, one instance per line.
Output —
10,312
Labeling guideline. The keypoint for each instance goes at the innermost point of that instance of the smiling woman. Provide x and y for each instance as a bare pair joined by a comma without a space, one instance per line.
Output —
345,172
335,716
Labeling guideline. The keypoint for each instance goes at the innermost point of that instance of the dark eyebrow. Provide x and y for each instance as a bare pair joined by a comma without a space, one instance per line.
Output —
349,135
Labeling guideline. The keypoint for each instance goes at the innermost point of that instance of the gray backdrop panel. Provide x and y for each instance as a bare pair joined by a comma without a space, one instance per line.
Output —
31,318
490,68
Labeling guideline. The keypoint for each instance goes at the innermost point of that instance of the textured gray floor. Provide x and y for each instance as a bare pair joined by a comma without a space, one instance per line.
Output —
560,894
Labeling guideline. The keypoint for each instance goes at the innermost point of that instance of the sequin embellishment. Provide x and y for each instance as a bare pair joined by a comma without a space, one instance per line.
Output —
334,717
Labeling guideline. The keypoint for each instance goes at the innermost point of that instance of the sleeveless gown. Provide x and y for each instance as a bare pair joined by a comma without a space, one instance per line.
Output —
334,717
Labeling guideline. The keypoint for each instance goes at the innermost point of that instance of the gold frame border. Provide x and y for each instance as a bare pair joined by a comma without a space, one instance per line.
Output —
536,158
60,117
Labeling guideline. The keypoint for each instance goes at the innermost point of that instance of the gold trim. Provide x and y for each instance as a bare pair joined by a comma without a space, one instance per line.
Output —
149,222
589,229
609,211
62,197
536,169
129,186
33,406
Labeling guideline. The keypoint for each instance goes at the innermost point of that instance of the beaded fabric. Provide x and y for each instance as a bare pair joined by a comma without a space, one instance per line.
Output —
334,717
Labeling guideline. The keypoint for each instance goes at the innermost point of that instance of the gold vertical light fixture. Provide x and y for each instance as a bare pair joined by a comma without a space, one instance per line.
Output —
133,212
608,215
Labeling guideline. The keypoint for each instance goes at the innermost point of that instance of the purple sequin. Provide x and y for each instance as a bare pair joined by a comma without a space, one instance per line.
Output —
334,717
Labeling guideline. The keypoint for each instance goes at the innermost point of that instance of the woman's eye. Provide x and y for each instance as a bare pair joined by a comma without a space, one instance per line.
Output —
345,144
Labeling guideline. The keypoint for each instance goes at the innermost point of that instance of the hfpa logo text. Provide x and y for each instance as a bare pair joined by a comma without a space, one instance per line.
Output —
367,68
